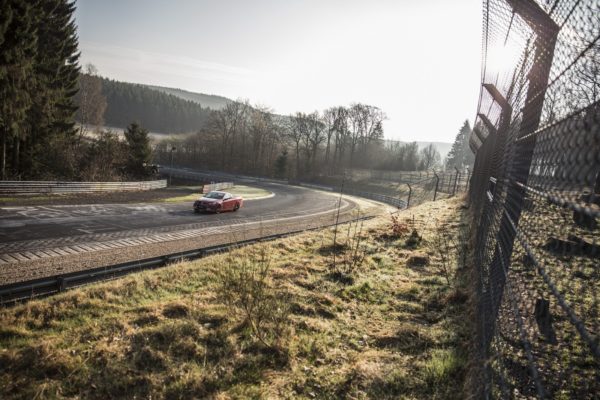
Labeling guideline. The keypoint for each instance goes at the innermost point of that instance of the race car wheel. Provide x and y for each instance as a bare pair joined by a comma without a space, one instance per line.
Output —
236,207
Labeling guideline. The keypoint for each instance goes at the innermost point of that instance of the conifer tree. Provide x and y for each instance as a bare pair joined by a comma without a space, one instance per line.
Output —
38,78
58,73
139,151
460,155
17,51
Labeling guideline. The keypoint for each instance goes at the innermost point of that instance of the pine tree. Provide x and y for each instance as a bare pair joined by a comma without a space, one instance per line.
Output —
17,52
58,72
38,78
460,155
139,151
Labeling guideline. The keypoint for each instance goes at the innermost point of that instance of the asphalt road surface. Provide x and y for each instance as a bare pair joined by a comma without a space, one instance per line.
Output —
29,228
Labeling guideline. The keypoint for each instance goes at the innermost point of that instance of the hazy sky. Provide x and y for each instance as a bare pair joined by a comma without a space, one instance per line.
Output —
417,60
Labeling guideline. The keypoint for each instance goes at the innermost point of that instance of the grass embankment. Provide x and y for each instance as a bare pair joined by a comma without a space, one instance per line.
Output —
392,323
247,192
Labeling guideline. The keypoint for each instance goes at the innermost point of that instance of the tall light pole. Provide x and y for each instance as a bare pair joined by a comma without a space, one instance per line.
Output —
173,148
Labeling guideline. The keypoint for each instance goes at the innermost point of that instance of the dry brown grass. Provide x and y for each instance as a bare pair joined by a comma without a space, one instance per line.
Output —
397,331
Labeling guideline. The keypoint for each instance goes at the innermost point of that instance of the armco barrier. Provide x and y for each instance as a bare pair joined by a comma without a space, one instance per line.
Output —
216,186
209,175
57,187
22,291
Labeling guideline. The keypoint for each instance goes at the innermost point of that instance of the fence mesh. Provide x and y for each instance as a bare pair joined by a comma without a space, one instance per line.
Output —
535,196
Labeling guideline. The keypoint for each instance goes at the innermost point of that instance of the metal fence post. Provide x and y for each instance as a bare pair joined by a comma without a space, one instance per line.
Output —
455,181
499,227
171,170
437,182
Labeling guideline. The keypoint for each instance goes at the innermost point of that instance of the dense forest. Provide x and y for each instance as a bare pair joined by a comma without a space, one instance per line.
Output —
41,90
38,79
155,110
211,101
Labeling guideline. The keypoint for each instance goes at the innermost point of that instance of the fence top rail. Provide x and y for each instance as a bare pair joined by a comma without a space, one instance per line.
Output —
71,183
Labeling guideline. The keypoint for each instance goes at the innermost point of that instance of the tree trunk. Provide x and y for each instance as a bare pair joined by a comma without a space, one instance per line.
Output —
297,160
16,154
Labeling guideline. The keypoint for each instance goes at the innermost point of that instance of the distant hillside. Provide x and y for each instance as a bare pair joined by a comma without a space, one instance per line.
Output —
205,100
155,110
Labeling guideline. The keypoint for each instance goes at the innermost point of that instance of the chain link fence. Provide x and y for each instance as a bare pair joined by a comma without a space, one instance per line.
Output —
535,198
412,188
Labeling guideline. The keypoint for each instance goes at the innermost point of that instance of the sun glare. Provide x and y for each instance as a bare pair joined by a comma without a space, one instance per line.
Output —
503,58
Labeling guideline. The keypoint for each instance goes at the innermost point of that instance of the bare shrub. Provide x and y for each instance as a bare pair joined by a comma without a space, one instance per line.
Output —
352,251
445,246
246,289
399,228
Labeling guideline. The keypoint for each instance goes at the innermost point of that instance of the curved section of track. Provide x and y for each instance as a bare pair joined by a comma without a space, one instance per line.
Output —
36,227
67,235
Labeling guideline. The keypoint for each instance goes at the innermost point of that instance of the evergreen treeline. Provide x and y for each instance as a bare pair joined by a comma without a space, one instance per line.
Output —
211,101
40,84
155,110
38,78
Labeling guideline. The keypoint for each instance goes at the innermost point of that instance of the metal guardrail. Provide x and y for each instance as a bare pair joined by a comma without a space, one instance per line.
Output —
216,186
209,175
58,187
22,291
393,201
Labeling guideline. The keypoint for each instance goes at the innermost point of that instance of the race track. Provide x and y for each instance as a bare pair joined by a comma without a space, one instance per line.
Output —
37,240
90,222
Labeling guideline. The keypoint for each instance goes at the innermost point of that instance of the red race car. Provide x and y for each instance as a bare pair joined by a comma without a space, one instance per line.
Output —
217,202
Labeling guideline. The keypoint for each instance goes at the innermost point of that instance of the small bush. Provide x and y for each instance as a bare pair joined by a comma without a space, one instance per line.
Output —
352,252
399,229
413,241
245,288
444,245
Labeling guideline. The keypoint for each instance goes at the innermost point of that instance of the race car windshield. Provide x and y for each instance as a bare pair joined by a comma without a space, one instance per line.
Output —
215,195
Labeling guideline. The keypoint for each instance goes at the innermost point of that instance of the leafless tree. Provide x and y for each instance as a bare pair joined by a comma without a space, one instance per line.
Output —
228,124
430,157
92,103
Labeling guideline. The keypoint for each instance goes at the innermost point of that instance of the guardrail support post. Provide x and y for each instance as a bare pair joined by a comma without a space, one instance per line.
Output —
60,283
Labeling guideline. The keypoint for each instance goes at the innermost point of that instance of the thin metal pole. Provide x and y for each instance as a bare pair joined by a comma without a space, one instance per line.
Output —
455,181
171,170
337,218
437,181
